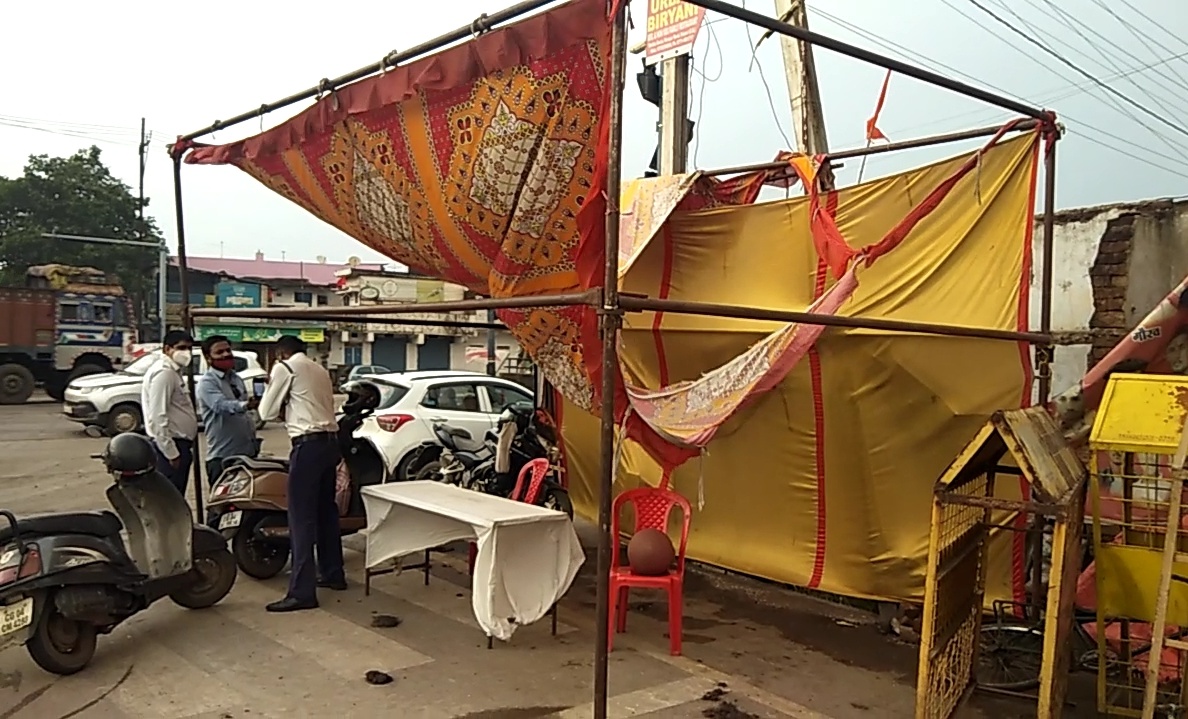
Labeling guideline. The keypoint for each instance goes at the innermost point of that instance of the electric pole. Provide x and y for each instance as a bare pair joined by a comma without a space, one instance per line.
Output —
674,123
492,364
162,248
808,118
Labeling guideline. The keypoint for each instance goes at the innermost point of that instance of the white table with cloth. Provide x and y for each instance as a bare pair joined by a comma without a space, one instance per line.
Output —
528,556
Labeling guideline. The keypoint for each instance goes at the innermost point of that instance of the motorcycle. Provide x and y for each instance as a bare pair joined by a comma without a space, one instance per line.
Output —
65,578
524,433
249,501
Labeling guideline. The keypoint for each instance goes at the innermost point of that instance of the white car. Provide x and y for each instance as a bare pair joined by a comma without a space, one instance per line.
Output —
411,402
111,401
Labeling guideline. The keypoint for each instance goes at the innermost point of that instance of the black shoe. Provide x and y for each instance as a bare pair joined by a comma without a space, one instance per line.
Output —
290,604
339,586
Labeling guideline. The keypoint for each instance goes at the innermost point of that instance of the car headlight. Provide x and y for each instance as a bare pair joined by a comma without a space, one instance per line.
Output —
80,390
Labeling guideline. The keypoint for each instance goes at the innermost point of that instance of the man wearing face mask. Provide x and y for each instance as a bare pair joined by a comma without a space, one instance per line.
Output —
169,417
224,403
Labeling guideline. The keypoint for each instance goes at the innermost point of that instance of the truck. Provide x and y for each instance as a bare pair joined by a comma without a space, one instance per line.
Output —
67,322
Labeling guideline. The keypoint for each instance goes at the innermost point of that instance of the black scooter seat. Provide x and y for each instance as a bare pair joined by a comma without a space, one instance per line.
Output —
470,460
466,444
95,524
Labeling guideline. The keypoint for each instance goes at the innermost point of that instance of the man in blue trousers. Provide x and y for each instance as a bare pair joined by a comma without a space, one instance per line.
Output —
302,390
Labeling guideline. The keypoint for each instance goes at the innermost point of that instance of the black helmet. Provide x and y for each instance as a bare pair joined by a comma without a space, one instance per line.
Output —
361,397
130,454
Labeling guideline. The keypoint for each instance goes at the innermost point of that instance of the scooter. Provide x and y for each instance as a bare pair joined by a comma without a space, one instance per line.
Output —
250,501
524,433
66,578
452,456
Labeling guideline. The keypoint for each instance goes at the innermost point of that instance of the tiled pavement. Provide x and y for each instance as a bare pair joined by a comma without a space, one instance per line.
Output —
237,661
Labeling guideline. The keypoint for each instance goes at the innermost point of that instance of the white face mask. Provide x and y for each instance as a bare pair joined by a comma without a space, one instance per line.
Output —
182,357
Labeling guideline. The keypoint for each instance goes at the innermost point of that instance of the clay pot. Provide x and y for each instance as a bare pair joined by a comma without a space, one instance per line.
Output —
650,553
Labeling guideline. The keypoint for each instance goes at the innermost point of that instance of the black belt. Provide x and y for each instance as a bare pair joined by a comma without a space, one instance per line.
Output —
313,437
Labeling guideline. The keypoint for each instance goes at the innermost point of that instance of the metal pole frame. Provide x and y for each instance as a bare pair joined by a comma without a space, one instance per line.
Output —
928,141
567,299
610,304
707,309
1044,354
411,322
612,320
777,26
187,323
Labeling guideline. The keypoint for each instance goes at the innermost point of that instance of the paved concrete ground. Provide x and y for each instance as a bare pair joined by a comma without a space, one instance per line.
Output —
751,650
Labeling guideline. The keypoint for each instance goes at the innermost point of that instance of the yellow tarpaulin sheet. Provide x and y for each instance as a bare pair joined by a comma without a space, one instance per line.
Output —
826,481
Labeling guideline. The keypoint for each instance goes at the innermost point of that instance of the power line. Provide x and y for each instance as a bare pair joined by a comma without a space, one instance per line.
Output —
1076,68
1051,95
68,133
1141,37
1073,88
1109,100
115,129
1068,22
1072,22
1148,18
766,87
933,64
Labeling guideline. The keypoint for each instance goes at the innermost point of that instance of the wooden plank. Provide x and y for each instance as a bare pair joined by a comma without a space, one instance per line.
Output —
1165,575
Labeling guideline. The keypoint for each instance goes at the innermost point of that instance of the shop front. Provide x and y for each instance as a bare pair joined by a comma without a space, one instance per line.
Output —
261,339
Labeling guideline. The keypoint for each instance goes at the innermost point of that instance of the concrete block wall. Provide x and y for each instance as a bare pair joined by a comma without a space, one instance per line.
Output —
1112,265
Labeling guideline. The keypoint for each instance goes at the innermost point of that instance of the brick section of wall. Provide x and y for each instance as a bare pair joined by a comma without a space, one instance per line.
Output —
1110,277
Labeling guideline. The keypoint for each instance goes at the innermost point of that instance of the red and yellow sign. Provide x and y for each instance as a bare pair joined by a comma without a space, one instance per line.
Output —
672,28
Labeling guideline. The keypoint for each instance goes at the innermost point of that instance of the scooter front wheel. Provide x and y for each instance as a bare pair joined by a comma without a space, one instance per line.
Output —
214,574
59,645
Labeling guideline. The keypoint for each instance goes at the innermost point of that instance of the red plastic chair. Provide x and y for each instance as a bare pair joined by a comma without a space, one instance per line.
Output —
539,469
653,507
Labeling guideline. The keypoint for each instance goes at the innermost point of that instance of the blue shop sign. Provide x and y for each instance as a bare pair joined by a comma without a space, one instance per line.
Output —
238,294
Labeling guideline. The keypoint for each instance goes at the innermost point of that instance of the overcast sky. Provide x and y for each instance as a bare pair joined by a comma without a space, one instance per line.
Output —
80,73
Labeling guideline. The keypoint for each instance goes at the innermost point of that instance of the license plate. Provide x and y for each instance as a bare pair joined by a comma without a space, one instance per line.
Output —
16,617
67,409
230,520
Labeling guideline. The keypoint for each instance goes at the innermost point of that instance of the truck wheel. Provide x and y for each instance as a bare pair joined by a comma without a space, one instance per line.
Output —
83,370
56,389
124,418
16,384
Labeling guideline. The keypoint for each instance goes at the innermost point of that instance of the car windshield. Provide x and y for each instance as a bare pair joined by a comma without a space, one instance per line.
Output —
390,392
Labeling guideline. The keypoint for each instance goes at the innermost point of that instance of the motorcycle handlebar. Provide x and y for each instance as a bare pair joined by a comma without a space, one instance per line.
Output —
96,456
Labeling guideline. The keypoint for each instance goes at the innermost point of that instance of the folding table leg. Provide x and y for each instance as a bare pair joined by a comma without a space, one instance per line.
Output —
490,642
553,611
367,582
426,567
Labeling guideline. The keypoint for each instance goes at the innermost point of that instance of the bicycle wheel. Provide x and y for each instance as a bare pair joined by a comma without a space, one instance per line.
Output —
1010,656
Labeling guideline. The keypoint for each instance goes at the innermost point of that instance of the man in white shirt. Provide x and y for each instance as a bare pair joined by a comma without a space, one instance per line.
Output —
169,417
302,389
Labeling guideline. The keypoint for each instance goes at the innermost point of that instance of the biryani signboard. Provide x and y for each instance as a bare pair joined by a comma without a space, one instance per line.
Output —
672,29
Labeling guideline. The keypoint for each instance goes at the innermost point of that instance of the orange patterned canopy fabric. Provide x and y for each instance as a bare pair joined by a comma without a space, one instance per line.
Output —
485,165
470,165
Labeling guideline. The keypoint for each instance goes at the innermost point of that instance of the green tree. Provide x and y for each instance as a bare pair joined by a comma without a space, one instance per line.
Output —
76,195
